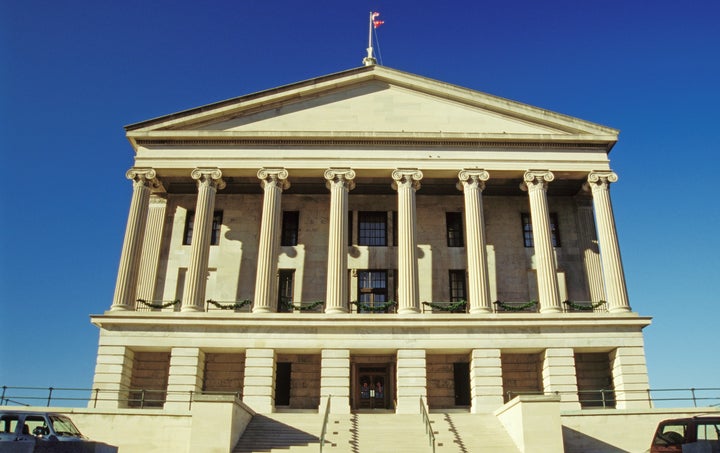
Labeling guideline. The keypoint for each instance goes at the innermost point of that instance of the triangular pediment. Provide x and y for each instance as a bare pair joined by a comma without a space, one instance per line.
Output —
371,101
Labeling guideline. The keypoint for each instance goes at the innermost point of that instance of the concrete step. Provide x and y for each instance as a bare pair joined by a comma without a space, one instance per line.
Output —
470,433
297,432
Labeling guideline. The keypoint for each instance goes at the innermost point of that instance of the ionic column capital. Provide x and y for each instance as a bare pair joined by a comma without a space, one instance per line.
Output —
340,175
536,180
208,176
474,178
601,179
406,177
143,176
274,176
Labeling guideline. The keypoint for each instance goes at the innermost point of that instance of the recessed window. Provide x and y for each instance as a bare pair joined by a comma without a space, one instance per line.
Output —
290,222
285,289
453,222
372,288
372,228
216,225
458,290
528,239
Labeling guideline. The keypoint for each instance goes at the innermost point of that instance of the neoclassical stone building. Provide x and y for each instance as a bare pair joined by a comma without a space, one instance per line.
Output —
374,236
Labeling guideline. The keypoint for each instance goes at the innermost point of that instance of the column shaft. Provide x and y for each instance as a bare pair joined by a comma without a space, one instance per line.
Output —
613,274
589,247
339,181
151,248
208,182
126,285
472,183
406,183
535,183
274,181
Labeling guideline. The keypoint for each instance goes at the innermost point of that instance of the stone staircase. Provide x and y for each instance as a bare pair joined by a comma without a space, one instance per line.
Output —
375,433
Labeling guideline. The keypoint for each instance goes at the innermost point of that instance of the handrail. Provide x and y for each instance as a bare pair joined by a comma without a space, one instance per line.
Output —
325,422
428,426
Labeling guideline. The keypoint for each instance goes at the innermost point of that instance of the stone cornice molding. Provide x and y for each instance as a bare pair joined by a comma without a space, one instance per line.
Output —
340,175
406,176
536,180
208,176
277,176
472,178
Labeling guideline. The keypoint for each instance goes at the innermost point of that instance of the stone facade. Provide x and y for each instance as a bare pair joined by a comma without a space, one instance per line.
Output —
370,227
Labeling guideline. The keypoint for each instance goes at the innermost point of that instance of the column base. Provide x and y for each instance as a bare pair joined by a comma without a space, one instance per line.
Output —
551,310
408,311
262,310
620,310
120,308
480,311
190,309
336,310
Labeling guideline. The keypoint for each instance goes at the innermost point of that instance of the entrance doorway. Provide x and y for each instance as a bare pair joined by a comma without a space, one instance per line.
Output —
372,389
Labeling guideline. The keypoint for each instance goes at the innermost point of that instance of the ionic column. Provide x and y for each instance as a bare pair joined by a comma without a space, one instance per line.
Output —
472,183
589,245
151,247
535,182
126,285
613,274
340,182
274,181
406,182
209,180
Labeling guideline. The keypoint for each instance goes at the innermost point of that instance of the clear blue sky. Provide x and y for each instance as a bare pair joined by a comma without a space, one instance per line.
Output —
73,73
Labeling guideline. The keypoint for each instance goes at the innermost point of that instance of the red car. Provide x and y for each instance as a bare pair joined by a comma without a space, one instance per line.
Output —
699,433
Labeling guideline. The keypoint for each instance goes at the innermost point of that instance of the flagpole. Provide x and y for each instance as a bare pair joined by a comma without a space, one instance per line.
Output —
370,60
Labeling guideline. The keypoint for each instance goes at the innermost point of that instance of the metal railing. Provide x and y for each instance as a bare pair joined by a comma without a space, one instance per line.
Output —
610,398
428,425
323,431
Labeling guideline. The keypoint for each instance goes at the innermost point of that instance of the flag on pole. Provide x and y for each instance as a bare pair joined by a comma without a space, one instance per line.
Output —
377,23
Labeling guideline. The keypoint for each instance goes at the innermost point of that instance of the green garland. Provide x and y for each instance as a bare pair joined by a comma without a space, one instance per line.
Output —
363,307
579,307
235,306
522,307
451,307
160,306
307,307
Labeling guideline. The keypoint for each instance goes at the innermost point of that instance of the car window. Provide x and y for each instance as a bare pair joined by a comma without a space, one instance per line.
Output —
8,423
34,422
64,426
708,431
671,434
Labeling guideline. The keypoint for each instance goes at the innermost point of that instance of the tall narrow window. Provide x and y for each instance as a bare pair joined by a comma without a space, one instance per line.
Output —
528,239
372,228
453,221
457,286
395,228
290,228
372,290
285,289
216,225
350,228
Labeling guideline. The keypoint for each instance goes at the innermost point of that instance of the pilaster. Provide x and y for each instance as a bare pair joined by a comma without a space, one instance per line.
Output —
259,384
209,181
613,274
185,377
335,380
113,374
630,377
472,183
411,380
126,284
340,182
273,182
535,182
407,182
486,385
559,375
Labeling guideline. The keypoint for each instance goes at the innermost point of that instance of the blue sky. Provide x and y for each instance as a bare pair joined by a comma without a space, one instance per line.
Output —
73,73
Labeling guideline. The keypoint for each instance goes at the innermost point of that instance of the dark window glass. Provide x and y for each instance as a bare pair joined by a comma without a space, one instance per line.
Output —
372,288
350,228
453,221
395,228
216,225
528,232
290,228
285,289
457,286
372,228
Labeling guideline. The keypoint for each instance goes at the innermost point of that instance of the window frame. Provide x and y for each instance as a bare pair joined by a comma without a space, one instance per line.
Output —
217,222
454,229
286,290
455,277
527,231
366,219
290,228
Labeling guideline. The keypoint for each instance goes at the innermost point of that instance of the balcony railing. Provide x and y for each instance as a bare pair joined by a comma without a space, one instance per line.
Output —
445,307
